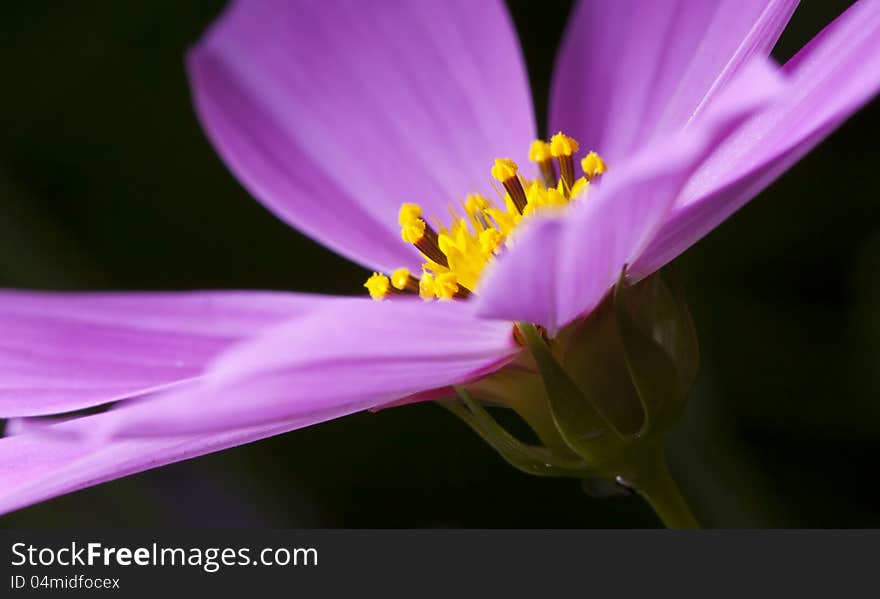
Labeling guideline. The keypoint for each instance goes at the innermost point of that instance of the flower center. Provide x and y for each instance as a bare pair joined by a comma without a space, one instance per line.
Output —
480,229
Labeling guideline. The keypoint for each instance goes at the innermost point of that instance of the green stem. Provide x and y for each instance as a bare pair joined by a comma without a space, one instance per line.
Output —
652,480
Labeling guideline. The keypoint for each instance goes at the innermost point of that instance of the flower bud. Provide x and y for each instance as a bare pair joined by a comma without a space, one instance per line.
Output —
635,356
607,385
599,396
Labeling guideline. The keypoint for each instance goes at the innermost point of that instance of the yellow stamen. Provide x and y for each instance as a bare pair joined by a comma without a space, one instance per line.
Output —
401,279
378,286
408,213
593,165
540,153
458,252
562,145
418,233
413,231
504,169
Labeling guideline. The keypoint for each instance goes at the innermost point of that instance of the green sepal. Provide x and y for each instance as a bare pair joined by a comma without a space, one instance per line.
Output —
663,311
587,431
530,459
654,374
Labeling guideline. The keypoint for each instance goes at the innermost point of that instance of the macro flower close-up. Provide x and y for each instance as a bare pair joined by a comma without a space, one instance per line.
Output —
514,275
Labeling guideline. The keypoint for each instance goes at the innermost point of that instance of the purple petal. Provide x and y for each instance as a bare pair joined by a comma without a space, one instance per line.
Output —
560,267
35,467
61,352
837,73
334,113
631,70
355,356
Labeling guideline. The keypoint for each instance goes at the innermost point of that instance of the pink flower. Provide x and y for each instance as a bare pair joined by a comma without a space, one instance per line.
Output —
334,113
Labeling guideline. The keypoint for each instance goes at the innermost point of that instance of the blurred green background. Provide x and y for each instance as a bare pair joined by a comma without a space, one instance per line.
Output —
107,182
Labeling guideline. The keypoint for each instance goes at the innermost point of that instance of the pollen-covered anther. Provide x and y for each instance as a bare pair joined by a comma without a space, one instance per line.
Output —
593,166
416,231
413,231
378,285
505,171
540,154
408,213
562,148
402,280
381,286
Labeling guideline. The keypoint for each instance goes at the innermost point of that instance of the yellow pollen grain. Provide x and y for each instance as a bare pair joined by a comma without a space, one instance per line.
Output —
413,231
562,145
399,278
378,286
593,165
408,213
540,151
504,169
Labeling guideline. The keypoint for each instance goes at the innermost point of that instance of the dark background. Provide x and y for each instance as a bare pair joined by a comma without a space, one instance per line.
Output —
107,182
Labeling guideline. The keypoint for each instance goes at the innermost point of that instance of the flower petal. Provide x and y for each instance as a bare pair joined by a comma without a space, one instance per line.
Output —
631,70
837,73
334,113
61,352
356,355
37,466
560,267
